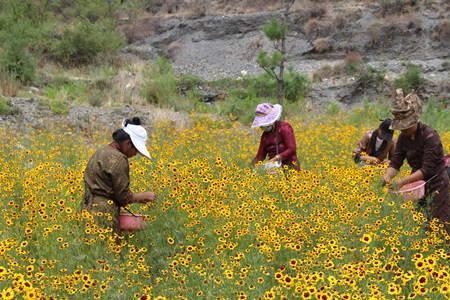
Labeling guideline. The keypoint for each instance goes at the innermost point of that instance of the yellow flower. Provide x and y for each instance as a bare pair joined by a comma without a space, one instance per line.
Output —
8,294
366,238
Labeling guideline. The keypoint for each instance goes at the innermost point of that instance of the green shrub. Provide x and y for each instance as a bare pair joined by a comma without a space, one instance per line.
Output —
410,80
159,85
296,86
18,62
58,107
22,26
67,91
96,98
82,42
188,82
241,109
16,36
6,107
333,108
369,76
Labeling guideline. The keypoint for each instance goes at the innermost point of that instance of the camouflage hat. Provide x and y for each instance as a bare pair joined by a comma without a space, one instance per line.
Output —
406,111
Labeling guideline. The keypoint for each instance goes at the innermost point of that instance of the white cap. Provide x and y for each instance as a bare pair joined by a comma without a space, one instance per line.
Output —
138,136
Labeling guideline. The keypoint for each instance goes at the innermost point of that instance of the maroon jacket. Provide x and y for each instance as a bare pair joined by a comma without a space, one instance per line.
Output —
425,152
287,148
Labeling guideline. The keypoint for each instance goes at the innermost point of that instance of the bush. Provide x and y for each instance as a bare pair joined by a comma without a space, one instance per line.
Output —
322,45
242,109
159,85
369,76
84,41
6,107
410,80
387,32
186,83
328,71
58,107
352,62
296,86
333,108
315,28
18,62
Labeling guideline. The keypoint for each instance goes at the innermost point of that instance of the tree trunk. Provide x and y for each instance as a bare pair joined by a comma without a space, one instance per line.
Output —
280,81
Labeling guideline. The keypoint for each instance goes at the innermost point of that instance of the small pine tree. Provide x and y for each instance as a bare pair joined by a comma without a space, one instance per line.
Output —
274,64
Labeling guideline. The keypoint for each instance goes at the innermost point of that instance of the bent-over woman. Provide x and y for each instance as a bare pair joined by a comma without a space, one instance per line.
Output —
377,145
421,146
278,139
107,178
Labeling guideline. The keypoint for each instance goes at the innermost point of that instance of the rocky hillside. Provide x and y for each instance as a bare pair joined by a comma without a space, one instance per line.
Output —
217,39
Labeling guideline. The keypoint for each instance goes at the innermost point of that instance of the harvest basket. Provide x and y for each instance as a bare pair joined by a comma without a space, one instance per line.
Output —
412,191
131,222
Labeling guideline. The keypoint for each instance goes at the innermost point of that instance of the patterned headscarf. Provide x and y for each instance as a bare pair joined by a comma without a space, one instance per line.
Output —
406,111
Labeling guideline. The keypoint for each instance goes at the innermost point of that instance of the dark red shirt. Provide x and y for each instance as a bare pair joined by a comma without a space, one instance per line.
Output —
287,148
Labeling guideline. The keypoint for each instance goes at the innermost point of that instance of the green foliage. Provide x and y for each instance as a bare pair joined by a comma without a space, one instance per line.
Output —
270,63
58,107
92,10
333,108
296,86
242,109
96,97
6,107
410,80
188,82
370,76
159,86
20,23
275,30
18,62
67,91
84,41
436,114
245,94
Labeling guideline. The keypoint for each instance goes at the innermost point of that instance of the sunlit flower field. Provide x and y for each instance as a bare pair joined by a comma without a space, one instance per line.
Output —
219,229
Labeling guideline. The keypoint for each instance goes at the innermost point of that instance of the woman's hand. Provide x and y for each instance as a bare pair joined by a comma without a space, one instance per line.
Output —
398,183
275,158
148,196
370,159
388,175
144,197
386,180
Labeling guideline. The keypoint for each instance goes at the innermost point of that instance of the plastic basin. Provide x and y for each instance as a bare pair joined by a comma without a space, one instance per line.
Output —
128,222
412,191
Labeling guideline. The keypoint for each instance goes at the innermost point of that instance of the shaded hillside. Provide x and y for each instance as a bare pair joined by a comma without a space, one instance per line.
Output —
220,40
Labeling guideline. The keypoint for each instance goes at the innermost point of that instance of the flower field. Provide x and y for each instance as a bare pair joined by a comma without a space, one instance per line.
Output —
219,230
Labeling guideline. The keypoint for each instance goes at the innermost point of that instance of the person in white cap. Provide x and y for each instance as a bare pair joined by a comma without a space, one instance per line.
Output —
107,178
277,140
